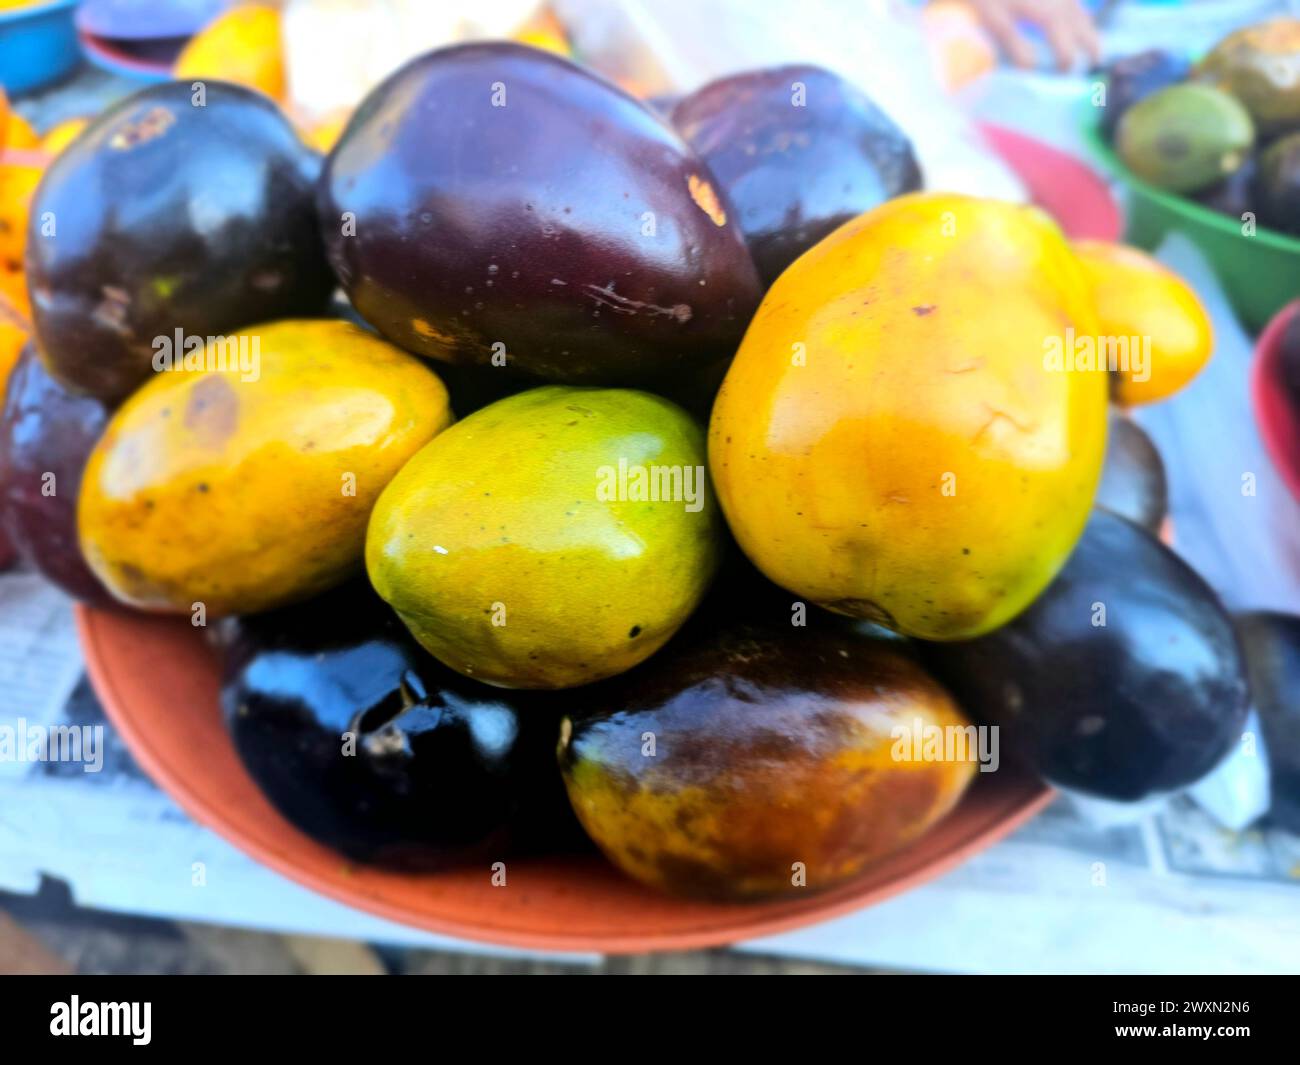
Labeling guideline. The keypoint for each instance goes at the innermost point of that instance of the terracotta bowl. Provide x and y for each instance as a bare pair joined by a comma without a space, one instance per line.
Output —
158,681
1277,416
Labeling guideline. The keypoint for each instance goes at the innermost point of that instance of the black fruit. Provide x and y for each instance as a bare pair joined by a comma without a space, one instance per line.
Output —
1271,643
1124,679
165,215
1133,483
442,770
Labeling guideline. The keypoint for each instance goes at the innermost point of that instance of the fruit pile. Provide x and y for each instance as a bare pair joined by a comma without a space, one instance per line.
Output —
1225,130
907,397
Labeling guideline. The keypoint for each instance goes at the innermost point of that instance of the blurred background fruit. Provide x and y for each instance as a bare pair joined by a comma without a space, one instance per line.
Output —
246,484
887,442
534,544
1148,313
1277,185
750,761
119,271
1260,66
799,151
1133,483
1185,138
38,43
1133,78
609,257
1271,645
1123,680
243,45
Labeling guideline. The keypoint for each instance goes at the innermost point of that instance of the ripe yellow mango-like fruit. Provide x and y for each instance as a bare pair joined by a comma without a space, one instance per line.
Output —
1146,310
893,440
247,487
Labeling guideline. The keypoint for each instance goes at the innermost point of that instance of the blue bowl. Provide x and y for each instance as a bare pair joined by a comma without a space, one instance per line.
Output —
38,45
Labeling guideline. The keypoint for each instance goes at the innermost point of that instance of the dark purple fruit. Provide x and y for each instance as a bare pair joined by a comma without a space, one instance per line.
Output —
1133,483
1277,185
46,434
1124,679
443,770
498,205
799,151
1271,643
1235,195
164,216
1135,77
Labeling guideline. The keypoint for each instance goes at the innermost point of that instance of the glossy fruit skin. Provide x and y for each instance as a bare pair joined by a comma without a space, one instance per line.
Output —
1271,644
1145,704
501,548
1278,185
1260,66
169,216
521,230
442,770
1185,138
795,172
771,747
248,490
47,430
1133,482
1134,77
922,466
1139,298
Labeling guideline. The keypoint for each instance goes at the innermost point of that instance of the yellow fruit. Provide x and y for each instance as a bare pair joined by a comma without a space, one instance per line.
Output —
249,487
1150,314
60,136
892,441
18,183
244,45
19,132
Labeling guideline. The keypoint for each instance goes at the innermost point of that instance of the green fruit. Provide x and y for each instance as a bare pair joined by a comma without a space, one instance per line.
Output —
555,538
1185,138
1260,66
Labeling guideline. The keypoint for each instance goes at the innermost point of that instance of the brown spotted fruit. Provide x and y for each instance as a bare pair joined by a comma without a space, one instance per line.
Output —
244,481
900,437
757,761
496,204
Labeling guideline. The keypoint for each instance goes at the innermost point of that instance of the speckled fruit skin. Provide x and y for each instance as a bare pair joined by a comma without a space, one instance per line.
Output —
1124,680
1139,297
247,494
168,216
505,556
799,151
46,430
770,748
509,202
891,441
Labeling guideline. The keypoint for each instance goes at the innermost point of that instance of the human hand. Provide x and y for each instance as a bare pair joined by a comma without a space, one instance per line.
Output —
1066,25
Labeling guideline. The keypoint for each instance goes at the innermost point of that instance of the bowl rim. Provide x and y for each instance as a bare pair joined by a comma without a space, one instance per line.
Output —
734,923
1096,142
